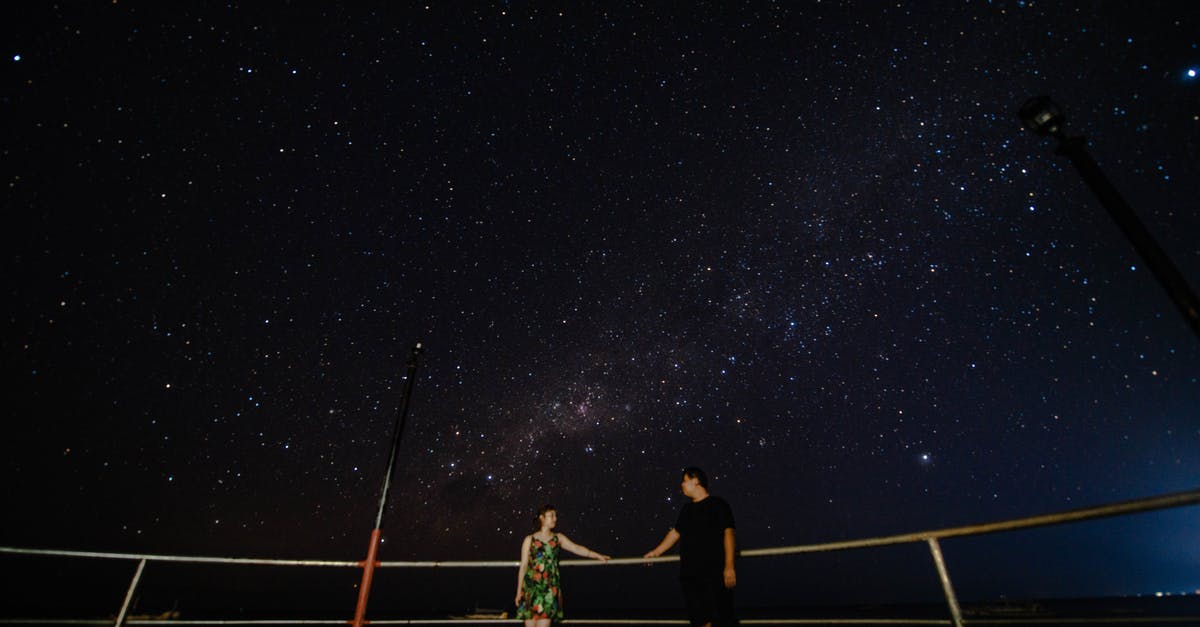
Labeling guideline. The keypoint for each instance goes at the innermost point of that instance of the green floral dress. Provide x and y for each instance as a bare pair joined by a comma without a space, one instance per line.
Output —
543,598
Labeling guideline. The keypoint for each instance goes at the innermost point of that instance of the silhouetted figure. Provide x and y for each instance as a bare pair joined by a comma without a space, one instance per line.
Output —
707,545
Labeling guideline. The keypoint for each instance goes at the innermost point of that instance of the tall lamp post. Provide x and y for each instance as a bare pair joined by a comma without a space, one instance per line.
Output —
1041,115
369,564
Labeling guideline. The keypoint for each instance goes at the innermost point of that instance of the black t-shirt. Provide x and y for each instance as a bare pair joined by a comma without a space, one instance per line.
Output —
701,528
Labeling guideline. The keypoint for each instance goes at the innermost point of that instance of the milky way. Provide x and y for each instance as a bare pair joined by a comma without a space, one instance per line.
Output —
808,248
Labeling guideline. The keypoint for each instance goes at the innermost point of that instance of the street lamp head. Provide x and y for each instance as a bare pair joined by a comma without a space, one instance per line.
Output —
1041,115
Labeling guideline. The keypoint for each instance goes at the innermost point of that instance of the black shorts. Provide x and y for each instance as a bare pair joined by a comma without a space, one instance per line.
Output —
708,601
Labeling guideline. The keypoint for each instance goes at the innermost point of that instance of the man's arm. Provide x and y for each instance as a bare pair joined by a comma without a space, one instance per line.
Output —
668,541
730,549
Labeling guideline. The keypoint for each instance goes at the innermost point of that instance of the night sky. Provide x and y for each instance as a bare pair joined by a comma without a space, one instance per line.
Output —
806,246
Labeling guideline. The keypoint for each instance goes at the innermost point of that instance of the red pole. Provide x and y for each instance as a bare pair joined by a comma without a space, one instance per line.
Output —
364,588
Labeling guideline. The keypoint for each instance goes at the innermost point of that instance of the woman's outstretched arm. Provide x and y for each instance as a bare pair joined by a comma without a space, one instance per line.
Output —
580,550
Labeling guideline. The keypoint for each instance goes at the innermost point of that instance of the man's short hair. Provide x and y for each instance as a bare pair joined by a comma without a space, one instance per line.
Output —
692,472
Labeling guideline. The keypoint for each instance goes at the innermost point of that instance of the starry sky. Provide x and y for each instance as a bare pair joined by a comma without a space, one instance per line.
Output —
806,246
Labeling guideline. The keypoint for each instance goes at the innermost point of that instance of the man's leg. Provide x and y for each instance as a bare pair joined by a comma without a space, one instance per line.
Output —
697,596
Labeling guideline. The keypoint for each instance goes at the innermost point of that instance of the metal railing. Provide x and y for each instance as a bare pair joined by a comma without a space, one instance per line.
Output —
931,538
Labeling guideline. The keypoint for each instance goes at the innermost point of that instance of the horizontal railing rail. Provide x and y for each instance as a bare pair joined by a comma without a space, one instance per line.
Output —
1135,506
930,537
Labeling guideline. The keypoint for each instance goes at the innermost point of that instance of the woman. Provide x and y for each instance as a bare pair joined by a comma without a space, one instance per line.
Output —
539,597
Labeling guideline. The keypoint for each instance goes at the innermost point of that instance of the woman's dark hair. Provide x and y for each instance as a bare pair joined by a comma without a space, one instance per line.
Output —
691,472
546,508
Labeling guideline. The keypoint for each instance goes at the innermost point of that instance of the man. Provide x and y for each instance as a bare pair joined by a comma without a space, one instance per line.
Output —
705,533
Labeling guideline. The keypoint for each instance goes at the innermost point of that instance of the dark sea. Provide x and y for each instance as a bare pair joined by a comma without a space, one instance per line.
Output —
70,593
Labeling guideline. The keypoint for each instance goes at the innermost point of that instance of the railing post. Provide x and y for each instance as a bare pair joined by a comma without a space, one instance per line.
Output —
944,575
137,576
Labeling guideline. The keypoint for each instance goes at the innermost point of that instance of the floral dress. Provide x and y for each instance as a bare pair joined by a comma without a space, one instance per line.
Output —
543,598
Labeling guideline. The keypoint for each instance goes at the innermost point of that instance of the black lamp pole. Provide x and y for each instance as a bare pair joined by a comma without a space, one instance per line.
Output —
369,564
1044,117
